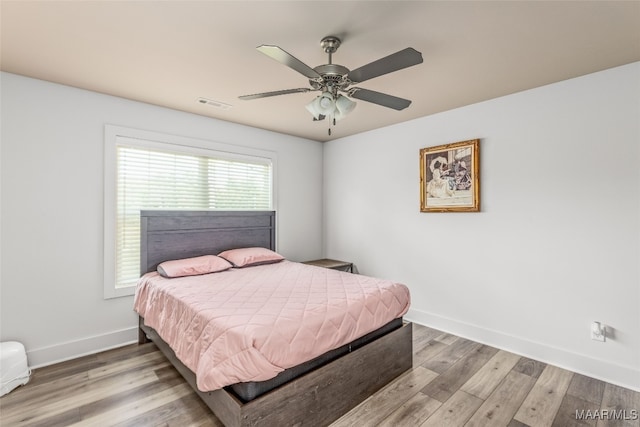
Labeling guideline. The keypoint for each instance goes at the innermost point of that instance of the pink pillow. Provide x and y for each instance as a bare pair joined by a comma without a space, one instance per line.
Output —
246,257
193,266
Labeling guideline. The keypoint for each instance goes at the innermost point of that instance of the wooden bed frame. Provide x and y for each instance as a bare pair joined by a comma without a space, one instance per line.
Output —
316,398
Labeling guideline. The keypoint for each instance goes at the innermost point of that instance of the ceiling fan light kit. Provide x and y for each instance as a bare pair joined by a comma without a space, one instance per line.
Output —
334,80
325,105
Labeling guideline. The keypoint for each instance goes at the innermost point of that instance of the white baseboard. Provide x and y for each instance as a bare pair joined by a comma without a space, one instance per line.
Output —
624,376
73,349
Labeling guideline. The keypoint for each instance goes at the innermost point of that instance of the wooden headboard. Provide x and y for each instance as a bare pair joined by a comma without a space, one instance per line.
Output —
167,235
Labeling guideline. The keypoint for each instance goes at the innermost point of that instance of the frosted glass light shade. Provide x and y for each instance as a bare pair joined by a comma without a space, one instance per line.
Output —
343,107
314,107
322,105
326,102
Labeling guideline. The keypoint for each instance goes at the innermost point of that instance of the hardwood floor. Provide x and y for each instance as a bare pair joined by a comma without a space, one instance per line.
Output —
454,382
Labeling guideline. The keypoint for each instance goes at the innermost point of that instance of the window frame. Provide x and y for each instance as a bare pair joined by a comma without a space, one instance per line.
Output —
114,137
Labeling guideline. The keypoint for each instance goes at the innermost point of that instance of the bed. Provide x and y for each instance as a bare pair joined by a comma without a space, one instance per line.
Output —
314,392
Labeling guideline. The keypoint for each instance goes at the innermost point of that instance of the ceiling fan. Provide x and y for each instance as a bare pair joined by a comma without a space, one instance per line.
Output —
334,80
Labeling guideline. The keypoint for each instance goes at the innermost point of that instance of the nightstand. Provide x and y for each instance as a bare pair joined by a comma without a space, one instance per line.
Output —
333,264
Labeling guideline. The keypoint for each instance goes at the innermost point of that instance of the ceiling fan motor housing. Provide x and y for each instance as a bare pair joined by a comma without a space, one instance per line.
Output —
333,78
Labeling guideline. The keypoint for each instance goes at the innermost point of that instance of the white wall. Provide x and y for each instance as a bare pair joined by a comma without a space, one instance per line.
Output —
52,209
556,245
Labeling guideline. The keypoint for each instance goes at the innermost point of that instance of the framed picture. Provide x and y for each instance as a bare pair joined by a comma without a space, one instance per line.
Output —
449,177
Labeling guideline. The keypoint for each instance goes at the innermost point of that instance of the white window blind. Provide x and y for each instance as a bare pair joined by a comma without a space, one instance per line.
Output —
149,178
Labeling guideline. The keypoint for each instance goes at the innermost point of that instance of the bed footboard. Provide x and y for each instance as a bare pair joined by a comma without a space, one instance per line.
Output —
317,398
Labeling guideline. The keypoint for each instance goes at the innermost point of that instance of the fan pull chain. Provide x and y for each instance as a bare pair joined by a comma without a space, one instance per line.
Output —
334,123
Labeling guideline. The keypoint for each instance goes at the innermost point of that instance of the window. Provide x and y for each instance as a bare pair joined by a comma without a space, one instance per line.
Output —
152,174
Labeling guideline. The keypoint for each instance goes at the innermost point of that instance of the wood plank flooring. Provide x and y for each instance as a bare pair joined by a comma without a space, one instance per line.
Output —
454,382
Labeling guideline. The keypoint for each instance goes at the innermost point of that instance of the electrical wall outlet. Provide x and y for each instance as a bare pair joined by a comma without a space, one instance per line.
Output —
598,332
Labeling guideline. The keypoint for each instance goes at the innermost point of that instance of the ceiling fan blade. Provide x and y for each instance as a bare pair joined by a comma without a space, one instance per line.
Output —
289,60
379,98
394,62
274,93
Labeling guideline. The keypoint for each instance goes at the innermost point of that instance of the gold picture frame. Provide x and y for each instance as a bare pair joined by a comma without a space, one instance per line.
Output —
449,177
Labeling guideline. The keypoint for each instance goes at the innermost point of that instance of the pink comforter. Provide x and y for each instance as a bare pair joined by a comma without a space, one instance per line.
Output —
250,324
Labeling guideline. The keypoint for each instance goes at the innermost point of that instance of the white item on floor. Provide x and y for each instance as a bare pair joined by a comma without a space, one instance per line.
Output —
13,365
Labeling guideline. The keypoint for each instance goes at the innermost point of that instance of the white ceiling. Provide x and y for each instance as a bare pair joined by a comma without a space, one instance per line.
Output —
170,53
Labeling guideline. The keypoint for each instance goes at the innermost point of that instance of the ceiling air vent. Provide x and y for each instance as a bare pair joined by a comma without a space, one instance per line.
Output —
213,103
